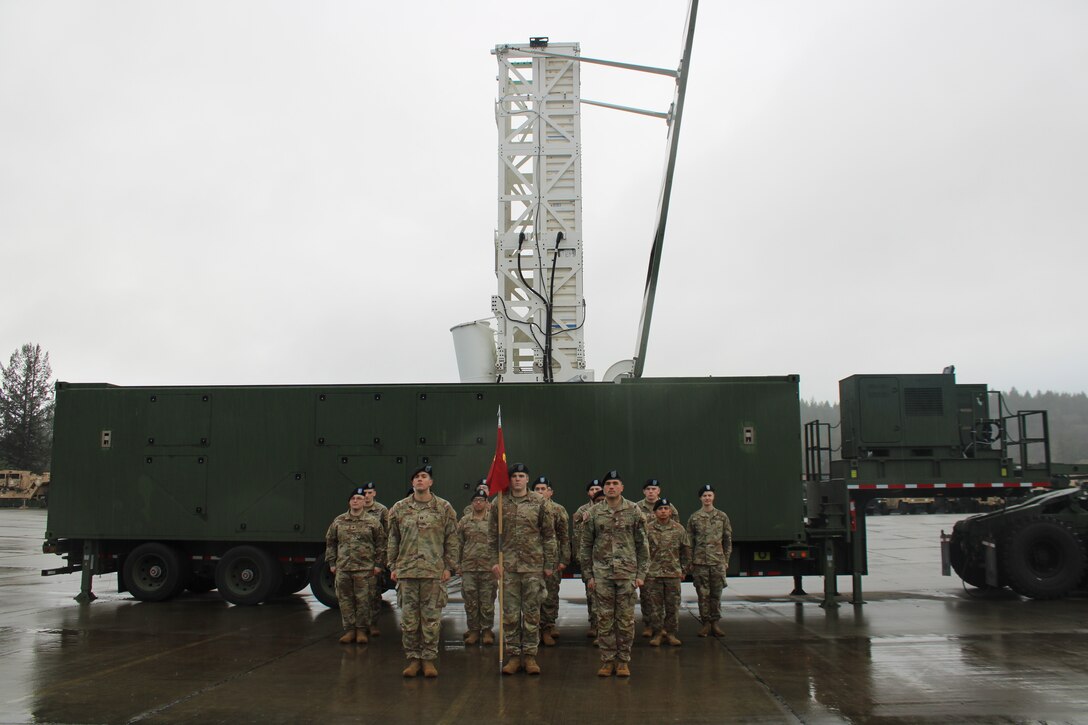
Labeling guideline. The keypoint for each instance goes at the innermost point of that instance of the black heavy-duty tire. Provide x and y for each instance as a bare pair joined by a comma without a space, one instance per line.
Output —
970,567
154,572
248,575
323,584
1043,558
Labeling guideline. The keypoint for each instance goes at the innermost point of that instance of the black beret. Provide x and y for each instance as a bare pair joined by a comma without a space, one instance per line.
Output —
651,482
518,468
480,493
612,475
662,503
595,482
544,480
359,491
704,488
422,469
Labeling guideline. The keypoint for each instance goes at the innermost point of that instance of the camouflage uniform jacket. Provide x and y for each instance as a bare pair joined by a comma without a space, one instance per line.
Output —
528,533
381,511
579,523
670,549
711,537
355,543
614,542
477,552
422,538
647,509
562,531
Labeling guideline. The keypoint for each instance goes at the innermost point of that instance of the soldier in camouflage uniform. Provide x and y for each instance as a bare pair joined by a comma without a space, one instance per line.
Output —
651,494
529,555
711,543
477,579
549,610
579,521
355,553
423,551
670,559
481,485
614,544
375,508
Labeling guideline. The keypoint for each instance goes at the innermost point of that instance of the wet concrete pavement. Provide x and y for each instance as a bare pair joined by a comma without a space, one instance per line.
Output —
922,648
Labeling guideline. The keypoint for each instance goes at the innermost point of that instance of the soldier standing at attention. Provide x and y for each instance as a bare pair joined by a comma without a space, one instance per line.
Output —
355,552
529,555
651,494
481,485
614,545
423,551
549,609
670,558
374,508
579,520
477,580
711,543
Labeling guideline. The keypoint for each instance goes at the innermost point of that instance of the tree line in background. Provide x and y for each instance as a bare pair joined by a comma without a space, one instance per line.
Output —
26,414
1067,417
26,410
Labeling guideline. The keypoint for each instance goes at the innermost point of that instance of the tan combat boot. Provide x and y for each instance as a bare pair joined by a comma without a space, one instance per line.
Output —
429,670
716,630
672,639
622,670
554,630
656,640
412,669
349,637
360,636
531,667
704,631
547,638
374,631
472,638
488,638
647,631
512,666
606,669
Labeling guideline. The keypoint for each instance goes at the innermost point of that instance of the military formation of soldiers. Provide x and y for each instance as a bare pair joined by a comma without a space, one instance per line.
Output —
620,546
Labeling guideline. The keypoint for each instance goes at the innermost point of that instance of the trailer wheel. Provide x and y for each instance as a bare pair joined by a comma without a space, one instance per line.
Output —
153,572
248,575
323,584
1043,558
294,582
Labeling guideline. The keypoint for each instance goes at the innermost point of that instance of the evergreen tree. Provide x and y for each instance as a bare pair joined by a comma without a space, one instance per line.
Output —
26,409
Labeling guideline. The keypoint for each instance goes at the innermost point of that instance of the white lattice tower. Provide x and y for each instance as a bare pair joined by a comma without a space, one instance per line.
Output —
539,202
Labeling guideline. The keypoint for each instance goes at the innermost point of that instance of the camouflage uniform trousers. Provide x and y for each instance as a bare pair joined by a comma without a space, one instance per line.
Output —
664,596
421,602
478,591
521,598
589,607
354,592
549,609
614,600
709,582
646,604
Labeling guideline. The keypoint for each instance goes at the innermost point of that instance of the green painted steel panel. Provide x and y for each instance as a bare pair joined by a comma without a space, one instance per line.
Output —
276,463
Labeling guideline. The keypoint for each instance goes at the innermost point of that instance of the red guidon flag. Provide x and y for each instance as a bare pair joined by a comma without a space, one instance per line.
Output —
498,478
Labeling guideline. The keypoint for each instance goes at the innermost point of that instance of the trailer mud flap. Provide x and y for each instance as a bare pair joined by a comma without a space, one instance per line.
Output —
991,563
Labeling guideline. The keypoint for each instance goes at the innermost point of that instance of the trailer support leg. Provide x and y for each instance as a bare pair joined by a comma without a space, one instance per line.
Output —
798,588
830,583
90,563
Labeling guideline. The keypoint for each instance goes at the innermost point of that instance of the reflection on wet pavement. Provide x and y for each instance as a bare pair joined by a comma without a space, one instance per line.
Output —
921,648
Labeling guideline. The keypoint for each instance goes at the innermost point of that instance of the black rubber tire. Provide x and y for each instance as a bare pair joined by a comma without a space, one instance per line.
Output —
155,572
248,575
200,584
323,584
969,565
1043,558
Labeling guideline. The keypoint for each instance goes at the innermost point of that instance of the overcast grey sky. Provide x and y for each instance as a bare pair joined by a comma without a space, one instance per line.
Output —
271,192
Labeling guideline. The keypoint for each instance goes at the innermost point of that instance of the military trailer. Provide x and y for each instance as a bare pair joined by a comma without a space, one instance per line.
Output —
233,487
